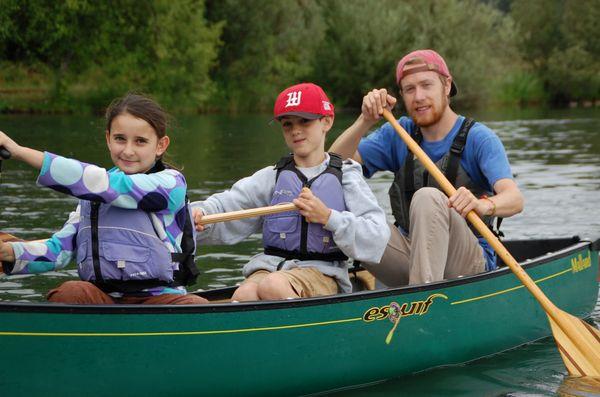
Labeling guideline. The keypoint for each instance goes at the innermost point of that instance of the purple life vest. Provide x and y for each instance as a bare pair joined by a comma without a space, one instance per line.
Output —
288,234
119,250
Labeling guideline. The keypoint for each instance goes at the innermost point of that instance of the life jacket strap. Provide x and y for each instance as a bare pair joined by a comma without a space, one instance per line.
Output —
458,145
306,256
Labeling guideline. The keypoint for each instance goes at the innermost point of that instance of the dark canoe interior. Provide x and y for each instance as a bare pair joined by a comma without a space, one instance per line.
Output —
363,284
529,249
521,250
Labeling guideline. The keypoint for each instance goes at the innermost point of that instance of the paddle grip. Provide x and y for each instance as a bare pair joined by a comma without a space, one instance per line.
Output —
5,154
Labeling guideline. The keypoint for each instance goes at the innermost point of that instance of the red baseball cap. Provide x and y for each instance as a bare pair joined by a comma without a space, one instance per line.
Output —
423,61
306,100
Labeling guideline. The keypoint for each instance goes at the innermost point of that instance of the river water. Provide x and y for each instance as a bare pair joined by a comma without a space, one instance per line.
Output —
555,155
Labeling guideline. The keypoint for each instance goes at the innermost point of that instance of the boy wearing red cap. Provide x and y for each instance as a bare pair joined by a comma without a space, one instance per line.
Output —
431,240
305,252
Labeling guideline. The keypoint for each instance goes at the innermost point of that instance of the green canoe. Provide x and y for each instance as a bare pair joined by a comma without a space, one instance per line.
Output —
289,347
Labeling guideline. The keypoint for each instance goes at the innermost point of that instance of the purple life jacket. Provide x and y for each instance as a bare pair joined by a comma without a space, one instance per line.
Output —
119,250
288,234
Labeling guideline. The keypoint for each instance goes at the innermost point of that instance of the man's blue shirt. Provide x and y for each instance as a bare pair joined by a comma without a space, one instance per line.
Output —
484,158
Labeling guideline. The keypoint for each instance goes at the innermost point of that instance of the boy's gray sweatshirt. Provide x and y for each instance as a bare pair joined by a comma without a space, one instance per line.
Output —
361,232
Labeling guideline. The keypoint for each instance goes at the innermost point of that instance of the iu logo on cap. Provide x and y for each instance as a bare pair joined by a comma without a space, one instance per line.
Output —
294,98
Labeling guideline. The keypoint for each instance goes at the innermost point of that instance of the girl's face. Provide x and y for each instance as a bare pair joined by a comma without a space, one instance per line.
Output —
133,144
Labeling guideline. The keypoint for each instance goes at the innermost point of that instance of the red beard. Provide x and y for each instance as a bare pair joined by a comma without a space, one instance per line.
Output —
433,115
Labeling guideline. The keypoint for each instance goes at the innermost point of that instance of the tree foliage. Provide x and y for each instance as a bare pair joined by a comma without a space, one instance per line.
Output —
560,45
106,48
362,43
236,55
269,44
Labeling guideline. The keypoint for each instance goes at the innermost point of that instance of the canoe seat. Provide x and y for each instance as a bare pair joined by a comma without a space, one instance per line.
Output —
362,280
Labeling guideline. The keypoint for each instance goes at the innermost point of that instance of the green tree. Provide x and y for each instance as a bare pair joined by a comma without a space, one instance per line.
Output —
559,45
574,63
98,50
164,48
365,40
57,34
269,44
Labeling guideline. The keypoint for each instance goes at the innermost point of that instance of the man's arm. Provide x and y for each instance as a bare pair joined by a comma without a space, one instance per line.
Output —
346,145
508,198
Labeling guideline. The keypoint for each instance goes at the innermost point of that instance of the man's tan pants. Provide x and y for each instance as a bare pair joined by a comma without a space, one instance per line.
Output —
441,245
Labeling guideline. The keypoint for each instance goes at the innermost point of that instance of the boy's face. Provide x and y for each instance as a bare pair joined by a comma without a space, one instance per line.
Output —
304,137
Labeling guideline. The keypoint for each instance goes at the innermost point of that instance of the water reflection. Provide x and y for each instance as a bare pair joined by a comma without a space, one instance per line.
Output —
555,156
579,387
555,160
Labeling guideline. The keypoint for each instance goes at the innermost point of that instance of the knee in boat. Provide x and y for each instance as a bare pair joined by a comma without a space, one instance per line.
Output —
70,292
74,287
427,196
245,292
275,286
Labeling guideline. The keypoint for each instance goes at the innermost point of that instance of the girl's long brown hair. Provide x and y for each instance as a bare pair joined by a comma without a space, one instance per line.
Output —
143,107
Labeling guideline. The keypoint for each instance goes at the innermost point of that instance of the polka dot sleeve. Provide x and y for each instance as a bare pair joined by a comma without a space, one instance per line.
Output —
54,253
161,192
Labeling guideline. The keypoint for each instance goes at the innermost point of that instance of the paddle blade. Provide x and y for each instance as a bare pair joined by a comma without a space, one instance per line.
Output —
579,349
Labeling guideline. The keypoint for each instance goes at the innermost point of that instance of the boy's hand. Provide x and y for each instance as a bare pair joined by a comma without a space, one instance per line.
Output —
374,103
311,207
197,215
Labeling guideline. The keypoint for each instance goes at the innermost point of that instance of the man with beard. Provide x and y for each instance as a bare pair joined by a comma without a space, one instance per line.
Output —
431,240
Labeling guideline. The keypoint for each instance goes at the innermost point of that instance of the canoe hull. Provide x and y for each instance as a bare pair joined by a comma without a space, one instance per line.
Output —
284,348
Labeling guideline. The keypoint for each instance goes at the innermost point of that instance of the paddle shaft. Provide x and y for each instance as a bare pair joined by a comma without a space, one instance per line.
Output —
448,188
4,154
251,213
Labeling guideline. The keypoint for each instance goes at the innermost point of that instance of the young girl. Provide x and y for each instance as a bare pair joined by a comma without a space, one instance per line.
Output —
131,233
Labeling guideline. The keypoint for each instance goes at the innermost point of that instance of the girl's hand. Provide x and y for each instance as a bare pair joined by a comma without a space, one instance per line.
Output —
7,254
197,215
311,207
32,157
463,201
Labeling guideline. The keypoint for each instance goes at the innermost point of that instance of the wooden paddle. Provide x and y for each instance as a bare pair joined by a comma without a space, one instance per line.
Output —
251,213
4,154
208,219
6,237
578,342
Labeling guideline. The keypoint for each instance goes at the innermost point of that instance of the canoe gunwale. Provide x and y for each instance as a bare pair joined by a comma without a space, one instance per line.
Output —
596,245
303,302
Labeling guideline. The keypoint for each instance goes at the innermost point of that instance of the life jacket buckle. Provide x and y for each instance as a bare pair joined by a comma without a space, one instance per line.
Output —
457,149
